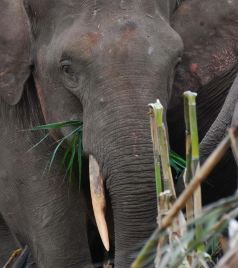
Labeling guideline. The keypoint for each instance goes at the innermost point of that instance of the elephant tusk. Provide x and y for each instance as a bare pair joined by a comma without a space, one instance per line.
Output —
98,200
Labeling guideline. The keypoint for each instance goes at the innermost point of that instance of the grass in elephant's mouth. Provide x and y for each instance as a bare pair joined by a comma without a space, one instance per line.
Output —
73,150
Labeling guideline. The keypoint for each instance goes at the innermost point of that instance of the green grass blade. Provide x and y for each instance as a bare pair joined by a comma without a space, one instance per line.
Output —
178,159
58,125
66,155
80,150
60,144
38,143
71,160
177,162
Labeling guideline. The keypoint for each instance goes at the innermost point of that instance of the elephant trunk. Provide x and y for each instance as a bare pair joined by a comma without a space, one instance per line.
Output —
222,181
219,127
124,152
132,192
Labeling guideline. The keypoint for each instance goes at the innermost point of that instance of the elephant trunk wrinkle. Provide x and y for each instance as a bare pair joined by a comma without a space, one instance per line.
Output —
119,138
131,187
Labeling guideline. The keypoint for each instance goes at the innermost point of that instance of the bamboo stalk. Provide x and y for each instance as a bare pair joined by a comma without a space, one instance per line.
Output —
188,170
166,193
161,150
194,204
14,255
146,251
200,176
156,121
164,181
155,118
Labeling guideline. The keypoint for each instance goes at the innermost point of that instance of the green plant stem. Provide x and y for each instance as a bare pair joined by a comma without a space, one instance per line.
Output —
192,152
166,192
146,251
161,151
213,219
156,119
194,204
200,176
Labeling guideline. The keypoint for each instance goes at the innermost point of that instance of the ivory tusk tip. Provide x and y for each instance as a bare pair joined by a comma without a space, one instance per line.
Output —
98,200
106,245
103,231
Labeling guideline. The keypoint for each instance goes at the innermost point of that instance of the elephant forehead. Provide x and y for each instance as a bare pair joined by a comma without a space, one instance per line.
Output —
148,6
77,43
122,34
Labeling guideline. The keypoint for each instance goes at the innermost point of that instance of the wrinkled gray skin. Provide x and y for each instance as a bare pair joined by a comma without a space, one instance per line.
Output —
7,242
227,117
40,209
209,67
101,62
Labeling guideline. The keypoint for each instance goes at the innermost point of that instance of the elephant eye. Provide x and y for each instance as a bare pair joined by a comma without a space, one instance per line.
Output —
66,69
70,77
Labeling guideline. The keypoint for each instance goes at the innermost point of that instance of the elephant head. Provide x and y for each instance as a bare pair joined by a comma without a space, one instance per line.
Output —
101,62
208,30
209,67
209,62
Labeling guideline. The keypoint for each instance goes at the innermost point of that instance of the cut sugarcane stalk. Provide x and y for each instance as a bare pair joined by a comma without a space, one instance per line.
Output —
194,204
180,203
155,117
162,176
161,151
164,180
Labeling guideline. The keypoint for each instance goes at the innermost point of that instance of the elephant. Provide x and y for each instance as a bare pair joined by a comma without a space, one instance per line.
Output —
227,170
100,62
208,67
7,242
42,211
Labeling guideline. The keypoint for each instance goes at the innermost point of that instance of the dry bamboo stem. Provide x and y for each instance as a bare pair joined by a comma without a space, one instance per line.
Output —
15,254
201,175
161,151
154,118
164,180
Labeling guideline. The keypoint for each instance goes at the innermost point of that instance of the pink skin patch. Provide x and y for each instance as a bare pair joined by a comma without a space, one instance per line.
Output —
88,41
128,34
92,38
193,68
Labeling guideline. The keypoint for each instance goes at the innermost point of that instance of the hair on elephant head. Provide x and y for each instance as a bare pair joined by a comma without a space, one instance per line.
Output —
101,62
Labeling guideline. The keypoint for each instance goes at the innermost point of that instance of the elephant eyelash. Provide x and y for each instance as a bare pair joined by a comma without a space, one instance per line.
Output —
65,63
67,69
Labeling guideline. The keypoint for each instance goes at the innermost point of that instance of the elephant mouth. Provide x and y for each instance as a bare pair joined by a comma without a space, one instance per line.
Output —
98,200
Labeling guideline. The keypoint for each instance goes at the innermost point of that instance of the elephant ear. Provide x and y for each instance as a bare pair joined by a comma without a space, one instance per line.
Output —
15,50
